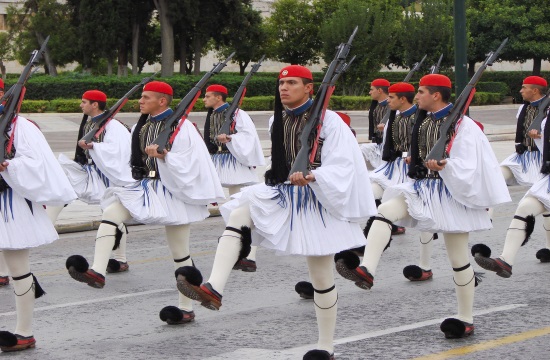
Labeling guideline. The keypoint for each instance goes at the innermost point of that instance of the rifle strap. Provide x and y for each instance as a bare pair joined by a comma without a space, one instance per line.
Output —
466,106
104,125
328,94
9,146
183,118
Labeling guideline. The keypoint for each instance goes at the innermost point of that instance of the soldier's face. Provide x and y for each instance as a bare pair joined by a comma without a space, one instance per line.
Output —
424,99
394,102
211,100
87,107
376,93
150,103
529,93
293,91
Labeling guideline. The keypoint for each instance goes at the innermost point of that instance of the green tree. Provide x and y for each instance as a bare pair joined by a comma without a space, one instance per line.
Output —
293,32
37,19
428,31
524,23
377,22
245,36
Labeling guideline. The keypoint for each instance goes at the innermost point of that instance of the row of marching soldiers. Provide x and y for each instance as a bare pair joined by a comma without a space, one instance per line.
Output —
318,215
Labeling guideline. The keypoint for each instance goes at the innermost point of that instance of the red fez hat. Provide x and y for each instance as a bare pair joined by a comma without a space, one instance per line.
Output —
435,80
401,87
380,82
160,87
95,95
1,84
344,117
535,80
217,88
296,71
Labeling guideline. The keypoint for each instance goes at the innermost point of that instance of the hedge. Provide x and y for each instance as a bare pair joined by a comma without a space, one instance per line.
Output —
73,85
257,103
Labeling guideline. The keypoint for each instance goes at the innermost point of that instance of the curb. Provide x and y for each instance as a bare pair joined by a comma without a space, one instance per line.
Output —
94,224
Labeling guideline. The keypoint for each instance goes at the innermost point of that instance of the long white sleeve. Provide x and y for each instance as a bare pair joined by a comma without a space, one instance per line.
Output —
245,145
34,172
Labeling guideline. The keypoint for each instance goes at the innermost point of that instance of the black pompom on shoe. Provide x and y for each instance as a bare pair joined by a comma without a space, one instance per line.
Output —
78,262
481,250
456,329
304,289
318,355
191,274
543,255
350,259
173,315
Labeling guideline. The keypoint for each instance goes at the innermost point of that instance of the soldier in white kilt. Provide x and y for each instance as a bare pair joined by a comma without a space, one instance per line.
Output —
97,165
172,188
536,201
378,109
394,169
30,178
235,155
523,166
448,196
315,216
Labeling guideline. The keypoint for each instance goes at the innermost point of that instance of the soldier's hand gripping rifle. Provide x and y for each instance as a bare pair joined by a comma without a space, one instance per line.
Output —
312,128
461,106
414,69
13,103
184,108
238,99
108,115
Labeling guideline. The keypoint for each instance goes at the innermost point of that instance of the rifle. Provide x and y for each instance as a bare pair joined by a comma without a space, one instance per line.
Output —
435,67
13,103
238,99
414,69
541,115
319,106
461,106
108,115
184,108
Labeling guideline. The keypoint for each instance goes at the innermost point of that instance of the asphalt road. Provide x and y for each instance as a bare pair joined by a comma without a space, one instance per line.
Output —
262,317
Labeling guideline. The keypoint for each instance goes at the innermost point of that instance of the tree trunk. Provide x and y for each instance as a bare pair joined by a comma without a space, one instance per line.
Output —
242,66
183,56
122,58
135,48
110,62
537,62
3,69
166,38
52,70
197,48
471,68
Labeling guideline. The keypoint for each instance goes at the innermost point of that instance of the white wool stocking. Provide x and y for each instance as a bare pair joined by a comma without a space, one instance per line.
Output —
229,246
546,224
120,253
3,266
105,239
53,212
508,174
464,279
516,233
380,231
18,265
377,190
177,237
426,249
325,302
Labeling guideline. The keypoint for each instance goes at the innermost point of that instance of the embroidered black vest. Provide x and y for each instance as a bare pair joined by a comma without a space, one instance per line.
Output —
217,118
148,133
293,126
